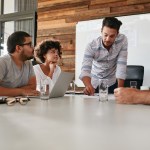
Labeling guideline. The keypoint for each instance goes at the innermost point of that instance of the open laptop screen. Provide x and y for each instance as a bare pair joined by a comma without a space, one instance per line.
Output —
61,84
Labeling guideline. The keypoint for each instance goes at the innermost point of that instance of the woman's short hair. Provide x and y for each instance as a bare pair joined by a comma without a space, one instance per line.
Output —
46,45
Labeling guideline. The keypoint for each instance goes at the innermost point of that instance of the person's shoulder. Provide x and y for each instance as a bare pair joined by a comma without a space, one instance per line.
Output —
121,38
58,68
36,67
96,42
5,59
5,56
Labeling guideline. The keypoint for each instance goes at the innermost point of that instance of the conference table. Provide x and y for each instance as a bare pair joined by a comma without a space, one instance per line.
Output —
74,122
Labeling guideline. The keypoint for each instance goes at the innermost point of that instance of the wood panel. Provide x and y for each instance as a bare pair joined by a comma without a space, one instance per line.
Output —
57,19
56,31
84,15
129,2
131,10
110,5
61,13
95,2
50,3
59,6
50,24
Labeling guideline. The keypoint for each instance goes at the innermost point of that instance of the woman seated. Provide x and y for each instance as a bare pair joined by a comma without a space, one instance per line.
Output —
49,52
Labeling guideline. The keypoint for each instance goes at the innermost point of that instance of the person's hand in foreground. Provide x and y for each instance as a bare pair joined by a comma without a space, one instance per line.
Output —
30,92
126,95
89,90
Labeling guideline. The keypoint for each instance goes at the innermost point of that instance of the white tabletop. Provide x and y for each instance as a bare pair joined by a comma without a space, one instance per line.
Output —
74,123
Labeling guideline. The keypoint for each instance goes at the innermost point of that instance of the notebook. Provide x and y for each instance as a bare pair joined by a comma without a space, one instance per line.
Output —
61,85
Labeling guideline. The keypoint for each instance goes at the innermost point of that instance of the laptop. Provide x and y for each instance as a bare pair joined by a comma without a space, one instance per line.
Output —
61,85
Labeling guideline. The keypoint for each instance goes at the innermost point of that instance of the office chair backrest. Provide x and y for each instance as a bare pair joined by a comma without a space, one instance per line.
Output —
134,73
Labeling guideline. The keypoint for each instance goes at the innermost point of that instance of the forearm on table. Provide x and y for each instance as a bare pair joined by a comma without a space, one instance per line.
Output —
86,80
120,82
10,91
31,84
89,90
142,97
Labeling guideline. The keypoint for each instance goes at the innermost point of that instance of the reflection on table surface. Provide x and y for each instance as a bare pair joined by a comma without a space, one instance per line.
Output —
75,122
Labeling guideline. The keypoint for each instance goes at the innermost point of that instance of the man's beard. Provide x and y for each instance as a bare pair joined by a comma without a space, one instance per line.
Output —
28,58
107,45
25,57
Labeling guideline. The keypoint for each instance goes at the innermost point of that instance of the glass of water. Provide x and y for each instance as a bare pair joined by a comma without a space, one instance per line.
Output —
44,89
103,90
133,84
72,88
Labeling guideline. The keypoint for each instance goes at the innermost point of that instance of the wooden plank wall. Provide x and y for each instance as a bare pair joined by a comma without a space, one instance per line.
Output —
57,19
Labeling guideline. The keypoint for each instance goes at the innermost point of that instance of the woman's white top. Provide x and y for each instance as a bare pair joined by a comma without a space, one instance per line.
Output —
40,76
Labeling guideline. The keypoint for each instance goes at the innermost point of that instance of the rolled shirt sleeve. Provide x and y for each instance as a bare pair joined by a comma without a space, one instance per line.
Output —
122,60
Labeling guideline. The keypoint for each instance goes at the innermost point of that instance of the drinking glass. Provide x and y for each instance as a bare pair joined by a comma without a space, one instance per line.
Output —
103,90
44,89
72,88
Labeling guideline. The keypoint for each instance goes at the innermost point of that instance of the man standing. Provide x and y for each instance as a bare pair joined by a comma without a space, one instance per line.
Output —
105,58
16,72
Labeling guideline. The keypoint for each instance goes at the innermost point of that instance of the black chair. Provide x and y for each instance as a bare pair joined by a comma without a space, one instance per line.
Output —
134,73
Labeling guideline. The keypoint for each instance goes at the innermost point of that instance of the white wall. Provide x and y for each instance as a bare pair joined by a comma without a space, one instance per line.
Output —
135,27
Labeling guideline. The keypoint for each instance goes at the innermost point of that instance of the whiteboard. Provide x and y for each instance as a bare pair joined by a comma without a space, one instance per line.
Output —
137,30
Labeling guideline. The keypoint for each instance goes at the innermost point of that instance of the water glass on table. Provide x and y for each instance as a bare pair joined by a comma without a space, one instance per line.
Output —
103,90
44,89
133,84
72,87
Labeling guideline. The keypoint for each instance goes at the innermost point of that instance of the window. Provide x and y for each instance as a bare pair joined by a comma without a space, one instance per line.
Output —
19,15
18,6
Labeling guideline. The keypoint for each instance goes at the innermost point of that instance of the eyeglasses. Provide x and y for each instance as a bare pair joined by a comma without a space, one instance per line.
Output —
29,44
12,100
